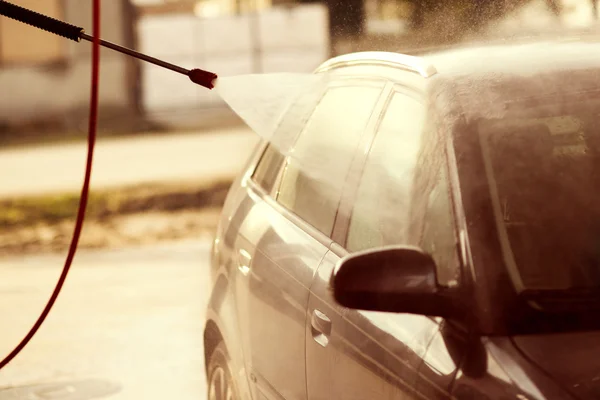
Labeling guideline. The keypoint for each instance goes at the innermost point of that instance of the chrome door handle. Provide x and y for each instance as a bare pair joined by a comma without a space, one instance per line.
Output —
320,327
244,260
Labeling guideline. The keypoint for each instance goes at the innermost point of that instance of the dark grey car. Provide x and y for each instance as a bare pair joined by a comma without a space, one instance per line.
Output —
448,246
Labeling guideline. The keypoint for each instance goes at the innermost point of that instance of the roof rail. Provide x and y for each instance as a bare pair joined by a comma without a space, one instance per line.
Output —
404,61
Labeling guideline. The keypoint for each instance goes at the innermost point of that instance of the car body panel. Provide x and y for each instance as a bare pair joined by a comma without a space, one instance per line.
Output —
364,354
277,262
222,310
273,301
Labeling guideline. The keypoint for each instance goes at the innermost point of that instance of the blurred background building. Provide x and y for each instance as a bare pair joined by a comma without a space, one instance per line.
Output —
228,37
44,79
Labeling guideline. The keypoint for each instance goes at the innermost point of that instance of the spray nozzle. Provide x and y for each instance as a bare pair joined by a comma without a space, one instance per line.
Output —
203,78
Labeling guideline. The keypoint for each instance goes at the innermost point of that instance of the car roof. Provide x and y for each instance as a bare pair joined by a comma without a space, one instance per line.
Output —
478,80
506,56
380,58
516,58
482,80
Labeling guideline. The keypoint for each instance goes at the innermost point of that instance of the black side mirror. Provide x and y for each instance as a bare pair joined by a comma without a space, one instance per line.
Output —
398,279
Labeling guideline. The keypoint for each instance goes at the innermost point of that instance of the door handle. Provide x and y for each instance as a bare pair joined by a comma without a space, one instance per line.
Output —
244,260
320,325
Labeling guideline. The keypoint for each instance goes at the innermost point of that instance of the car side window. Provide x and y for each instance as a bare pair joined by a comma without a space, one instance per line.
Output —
382,206
286,133
267,170
404,193
315,171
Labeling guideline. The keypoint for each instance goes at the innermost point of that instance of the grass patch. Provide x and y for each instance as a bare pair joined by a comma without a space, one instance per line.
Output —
53,209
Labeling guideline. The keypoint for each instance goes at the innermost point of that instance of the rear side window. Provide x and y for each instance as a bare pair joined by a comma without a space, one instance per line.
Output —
381,212
265,174
316,169
292,123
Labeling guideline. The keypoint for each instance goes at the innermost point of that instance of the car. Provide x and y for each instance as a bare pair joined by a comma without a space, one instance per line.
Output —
445,244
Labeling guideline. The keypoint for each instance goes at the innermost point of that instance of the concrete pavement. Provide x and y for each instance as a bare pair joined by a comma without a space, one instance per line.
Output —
195,157
128,324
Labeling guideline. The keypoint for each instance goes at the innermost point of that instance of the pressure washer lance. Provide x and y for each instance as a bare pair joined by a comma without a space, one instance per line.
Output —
60,28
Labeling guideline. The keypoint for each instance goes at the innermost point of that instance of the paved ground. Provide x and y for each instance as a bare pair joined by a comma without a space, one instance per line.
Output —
129,322
126,161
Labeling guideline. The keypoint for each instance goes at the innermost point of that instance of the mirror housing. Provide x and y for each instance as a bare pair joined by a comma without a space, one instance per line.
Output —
399,279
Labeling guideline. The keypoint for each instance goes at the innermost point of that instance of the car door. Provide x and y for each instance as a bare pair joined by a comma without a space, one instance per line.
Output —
286,233
354,354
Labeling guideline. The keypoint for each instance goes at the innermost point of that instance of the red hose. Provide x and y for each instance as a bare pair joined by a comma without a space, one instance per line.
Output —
93,119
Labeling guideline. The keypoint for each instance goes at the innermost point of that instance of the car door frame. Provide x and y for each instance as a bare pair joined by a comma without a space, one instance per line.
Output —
415,85
408,85
269,197
404,79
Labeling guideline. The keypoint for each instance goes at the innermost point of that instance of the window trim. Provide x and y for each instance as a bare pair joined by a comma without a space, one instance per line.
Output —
270,197
310,230
254,169
456,199
444,172
342,224
449,168
360,162
343,215
338,82
342,82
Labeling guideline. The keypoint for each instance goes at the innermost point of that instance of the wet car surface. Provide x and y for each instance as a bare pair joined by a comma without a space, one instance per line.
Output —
481,166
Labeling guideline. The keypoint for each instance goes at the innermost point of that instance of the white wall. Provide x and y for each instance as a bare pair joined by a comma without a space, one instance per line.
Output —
280,39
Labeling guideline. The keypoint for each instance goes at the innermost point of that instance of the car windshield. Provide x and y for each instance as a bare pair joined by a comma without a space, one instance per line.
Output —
543,171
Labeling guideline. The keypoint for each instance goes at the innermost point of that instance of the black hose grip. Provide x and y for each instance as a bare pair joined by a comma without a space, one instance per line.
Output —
40,21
